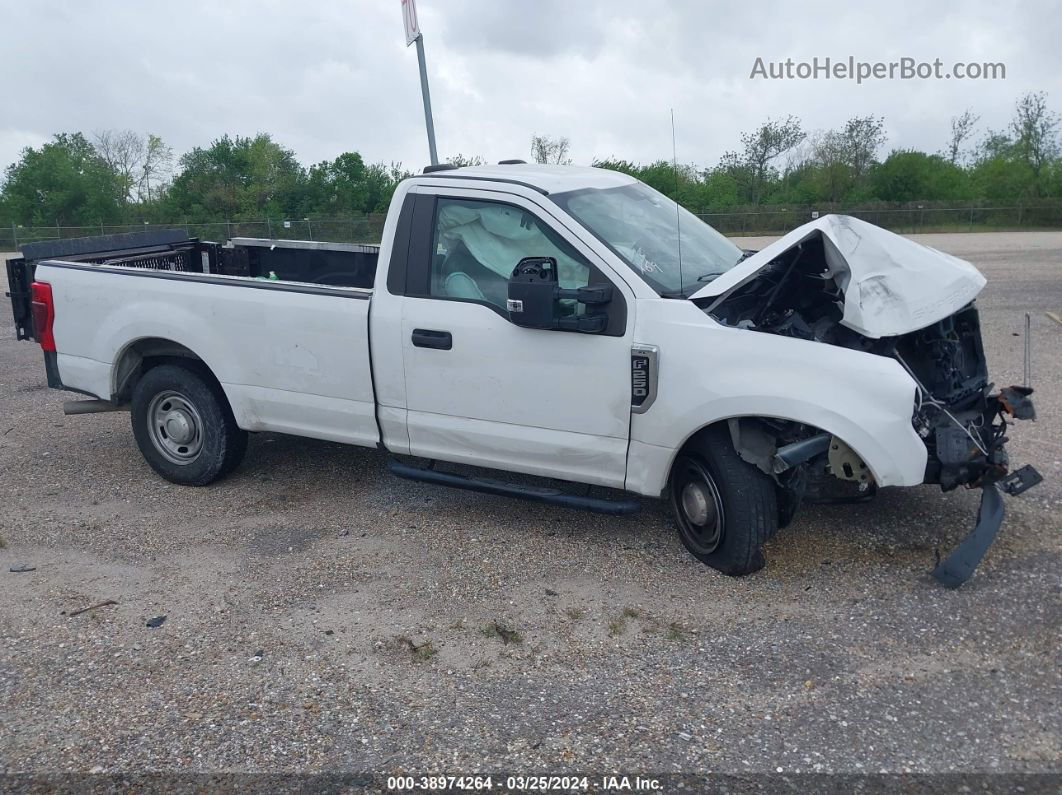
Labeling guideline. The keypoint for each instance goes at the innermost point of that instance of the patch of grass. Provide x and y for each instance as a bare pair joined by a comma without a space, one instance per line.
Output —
676,632
575,613
420,652
507,635
618,625
424,652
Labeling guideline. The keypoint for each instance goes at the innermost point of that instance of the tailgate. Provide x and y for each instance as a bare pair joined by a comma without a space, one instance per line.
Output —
164,249
19,277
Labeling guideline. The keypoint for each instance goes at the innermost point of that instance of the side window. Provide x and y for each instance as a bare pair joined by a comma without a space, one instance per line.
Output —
477,244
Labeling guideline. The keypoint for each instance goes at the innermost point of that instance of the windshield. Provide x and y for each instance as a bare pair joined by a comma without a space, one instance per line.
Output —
676,253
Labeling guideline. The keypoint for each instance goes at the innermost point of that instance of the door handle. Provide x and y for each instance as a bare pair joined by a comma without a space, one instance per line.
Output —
426,338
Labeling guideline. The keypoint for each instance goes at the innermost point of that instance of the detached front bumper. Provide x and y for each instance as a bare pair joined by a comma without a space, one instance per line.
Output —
968,448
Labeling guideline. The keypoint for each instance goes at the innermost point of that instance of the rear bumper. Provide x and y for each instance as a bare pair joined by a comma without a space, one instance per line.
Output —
86,373
51,367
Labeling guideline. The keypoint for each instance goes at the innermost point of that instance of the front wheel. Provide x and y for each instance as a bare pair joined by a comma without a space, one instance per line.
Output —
184,427
725,508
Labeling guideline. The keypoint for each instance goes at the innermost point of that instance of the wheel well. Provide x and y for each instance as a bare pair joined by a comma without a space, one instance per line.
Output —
689,442
703,430
755,438
141,356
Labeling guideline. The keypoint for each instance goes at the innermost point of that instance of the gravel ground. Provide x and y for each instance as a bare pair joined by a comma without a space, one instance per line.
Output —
322,615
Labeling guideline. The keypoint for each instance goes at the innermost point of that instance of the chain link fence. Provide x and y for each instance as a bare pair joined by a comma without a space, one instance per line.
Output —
906,219
356,229
755,220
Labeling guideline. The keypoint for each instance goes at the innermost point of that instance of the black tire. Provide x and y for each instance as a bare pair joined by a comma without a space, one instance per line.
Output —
183,425
710,479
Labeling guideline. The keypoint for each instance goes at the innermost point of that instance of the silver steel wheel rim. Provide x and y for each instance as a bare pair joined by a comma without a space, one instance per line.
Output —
702,509
175,427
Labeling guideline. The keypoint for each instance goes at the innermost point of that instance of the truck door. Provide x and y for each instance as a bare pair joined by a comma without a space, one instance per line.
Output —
481,390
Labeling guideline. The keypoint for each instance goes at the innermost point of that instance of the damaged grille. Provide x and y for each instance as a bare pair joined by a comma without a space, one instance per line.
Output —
948,359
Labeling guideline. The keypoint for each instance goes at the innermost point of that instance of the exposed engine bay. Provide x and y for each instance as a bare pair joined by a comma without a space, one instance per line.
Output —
801,293
958,416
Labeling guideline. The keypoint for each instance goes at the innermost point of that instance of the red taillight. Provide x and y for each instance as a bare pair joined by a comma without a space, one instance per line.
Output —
43,315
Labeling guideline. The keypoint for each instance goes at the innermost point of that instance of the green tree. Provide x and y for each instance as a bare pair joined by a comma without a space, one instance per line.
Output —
461,160
860,141
1002,178
615,164
719,189
845,156
238,177
337,186
908,175
63,182
382,180
999,173
347,185
804,184
1035,130
1053,179
143,163
962,127
752,168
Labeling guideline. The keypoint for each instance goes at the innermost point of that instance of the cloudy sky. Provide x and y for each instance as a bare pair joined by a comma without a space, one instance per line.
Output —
326,76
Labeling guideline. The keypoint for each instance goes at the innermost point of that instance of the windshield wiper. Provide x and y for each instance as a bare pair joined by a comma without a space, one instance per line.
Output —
707,277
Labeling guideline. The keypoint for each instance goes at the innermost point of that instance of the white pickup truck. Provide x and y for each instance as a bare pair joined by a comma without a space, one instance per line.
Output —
552,321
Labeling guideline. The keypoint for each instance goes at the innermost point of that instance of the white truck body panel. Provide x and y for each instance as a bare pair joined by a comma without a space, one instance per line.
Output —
515,177
289,361
709,372
524,400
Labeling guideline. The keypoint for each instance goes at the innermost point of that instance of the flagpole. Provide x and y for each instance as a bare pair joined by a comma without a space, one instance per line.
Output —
427,100
414,36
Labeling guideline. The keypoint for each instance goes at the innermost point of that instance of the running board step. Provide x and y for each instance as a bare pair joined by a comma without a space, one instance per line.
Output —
537,493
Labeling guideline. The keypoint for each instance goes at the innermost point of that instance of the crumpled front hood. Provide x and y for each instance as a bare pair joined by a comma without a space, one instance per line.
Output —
891,285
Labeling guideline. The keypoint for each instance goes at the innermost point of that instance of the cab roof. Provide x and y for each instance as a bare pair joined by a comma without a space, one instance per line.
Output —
543,178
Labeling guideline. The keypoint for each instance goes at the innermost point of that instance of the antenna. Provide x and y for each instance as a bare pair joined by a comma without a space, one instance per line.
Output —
1028,351
678,220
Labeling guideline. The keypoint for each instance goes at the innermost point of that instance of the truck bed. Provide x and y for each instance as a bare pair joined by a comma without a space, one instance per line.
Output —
291,353
290,357
171,250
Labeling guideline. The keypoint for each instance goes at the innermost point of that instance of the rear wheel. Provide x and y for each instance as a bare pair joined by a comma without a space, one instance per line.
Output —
184,427
725,508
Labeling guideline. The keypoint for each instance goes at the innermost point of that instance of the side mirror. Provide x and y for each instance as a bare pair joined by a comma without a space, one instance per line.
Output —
535,295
